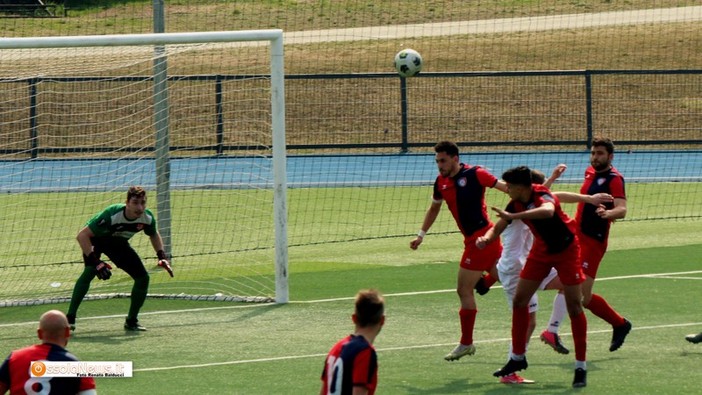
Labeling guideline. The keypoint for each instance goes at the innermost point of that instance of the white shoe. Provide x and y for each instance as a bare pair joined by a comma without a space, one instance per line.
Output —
460,351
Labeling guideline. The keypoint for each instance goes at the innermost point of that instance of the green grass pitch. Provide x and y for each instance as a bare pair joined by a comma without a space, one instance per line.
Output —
651,275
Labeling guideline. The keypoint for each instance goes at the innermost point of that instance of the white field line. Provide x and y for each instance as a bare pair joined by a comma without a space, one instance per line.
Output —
671,275
400,294
387,349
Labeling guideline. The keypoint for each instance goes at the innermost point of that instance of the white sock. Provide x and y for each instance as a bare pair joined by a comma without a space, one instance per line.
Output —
518,357
558,313
581,365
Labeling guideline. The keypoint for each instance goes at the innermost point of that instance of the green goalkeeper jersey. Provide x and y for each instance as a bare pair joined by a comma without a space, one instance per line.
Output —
112,222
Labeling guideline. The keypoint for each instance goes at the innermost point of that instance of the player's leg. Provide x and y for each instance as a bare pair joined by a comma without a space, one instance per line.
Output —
520,326
592,253
558,312
571,275
474,262
80,289
124,256
466,280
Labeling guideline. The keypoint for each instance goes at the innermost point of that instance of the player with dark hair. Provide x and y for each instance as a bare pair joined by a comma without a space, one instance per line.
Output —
555,246
516,242
462,187
109,232
53,332
351,367
594,221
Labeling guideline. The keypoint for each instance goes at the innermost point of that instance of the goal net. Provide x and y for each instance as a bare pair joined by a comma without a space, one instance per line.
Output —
195,118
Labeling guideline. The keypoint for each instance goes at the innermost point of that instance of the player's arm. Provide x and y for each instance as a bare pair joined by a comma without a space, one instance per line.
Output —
572,197
429,218
156,242
618,212
501,186
546,210
557,172
163,262
83,239
493,233
360,390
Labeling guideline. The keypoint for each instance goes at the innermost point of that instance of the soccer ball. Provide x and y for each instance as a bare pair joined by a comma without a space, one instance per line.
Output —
408,62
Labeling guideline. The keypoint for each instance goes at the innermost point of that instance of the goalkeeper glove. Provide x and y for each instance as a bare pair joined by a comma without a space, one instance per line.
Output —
163,262
104,270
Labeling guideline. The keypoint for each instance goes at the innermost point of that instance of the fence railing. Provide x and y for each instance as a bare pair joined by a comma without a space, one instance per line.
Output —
635,107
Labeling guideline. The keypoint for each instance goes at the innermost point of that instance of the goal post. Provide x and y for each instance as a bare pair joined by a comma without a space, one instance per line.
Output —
111,75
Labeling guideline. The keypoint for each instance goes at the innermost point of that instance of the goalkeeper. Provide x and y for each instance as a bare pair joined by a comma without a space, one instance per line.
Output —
109,232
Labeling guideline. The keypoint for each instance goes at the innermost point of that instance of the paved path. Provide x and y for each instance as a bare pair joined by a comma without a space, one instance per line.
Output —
505,25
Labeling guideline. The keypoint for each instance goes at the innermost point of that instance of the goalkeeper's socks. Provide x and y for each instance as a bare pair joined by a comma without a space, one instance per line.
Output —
71,321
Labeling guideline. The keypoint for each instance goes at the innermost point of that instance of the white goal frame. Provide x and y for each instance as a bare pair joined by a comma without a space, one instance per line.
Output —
158,40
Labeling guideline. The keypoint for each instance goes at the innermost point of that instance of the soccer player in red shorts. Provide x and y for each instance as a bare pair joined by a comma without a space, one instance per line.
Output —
594,223
351,366
462,187
555,246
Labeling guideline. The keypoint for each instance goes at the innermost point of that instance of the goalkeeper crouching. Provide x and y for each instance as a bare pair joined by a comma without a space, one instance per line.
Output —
108,232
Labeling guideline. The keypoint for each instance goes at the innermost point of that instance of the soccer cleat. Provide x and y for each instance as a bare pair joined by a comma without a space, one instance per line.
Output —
619,334
480,287
459,352
133,326
694,339
511,367
554,341
514,378
580,378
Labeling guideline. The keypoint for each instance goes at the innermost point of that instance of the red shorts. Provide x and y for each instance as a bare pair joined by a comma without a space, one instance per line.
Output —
591,253
566,263
480,260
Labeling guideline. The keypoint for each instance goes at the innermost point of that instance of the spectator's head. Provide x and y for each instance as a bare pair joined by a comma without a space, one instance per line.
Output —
54,328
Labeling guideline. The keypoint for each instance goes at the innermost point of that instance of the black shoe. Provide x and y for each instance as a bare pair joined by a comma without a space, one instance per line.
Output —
133,325
71,322
511,367
619,334
480,286
694,339
580,378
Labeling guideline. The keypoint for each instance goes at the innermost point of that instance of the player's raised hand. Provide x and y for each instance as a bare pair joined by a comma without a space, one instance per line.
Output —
558,170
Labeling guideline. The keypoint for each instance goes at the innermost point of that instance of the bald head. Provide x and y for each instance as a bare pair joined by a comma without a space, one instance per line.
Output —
54,328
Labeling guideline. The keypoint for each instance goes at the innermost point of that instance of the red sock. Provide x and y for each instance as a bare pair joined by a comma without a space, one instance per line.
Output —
467,323
520,325
489,280
578,325
602,309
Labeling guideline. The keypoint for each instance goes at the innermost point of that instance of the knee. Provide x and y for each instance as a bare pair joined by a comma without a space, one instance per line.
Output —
142,281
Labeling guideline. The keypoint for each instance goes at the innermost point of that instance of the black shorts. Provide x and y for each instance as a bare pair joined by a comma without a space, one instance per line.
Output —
121,254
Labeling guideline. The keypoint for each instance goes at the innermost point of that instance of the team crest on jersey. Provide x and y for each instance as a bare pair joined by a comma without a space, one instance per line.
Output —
140,227
462,182
601,181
